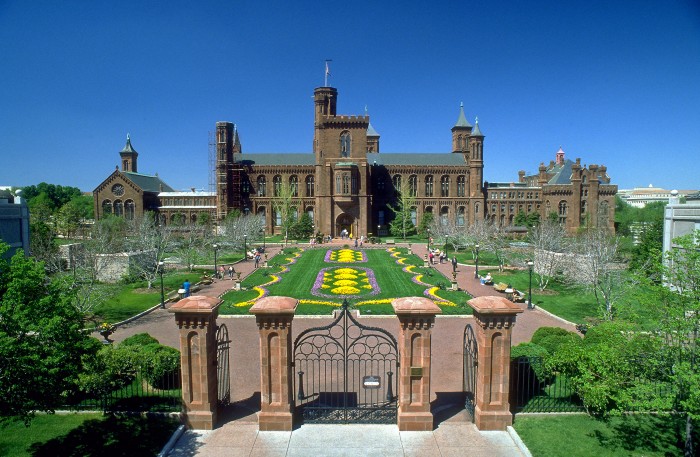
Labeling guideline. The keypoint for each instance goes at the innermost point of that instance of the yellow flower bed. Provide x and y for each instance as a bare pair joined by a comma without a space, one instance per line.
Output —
381,301
345,290
345,276
346,282
366,287
410,268
325,286
346,271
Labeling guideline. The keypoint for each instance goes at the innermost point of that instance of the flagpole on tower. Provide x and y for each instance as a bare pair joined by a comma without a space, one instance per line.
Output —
328,73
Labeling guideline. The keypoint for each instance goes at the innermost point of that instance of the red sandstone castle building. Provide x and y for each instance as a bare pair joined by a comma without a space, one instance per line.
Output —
346,183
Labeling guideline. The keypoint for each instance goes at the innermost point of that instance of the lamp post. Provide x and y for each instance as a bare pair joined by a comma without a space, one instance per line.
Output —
162,293
263,232
530,264
428,232
216,248
245,246
476,262
378,227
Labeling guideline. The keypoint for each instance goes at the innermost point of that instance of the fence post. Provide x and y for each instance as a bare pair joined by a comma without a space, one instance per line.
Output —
274,317
495,318
195,316
416,317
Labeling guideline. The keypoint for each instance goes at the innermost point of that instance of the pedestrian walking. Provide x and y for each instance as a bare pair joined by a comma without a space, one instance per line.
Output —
257,260
431,257
454,264
230,272
186,287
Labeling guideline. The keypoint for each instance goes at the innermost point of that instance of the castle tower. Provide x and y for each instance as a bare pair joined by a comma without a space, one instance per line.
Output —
476,161
325,102
372,139
461,132
129,156
224,166
560,157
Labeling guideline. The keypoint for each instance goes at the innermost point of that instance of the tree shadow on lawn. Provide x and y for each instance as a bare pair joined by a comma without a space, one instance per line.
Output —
643,432
115,435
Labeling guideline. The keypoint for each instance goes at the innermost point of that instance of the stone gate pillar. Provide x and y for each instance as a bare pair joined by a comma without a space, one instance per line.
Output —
274,317
495,318
416,317
195,316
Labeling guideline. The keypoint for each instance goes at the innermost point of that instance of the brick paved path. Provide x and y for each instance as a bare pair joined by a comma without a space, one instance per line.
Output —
245,349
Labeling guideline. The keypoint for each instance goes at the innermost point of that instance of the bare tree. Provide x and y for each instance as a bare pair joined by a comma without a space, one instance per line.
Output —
549,242
153,240
244,227
191,243
595,266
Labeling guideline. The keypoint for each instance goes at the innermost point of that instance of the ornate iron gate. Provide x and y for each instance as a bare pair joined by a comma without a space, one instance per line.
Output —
470,351
346,372
223,374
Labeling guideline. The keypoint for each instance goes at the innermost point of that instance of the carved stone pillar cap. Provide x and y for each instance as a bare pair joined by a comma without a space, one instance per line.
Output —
494,305
415,305
196,304
274,305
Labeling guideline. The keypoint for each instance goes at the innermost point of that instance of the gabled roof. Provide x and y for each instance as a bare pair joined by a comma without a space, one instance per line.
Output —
416,159
147,183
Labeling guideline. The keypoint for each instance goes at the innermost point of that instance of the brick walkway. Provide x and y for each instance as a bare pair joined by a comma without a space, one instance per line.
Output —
245,349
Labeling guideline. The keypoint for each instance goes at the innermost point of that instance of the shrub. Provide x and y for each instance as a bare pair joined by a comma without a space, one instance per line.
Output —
161,366
552,338
109,369
140,339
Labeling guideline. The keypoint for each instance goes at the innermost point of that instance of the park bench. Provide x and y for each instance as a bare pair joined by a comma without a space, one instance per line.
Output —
390,242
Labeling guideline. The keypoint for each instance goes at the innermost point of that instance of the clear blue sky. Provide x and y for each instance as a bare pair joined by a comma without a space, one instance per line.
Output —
614,83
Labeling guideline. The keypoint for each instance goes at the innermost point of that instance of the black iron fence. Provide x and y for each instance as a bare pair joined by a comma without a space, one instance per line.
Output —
536,389
163,394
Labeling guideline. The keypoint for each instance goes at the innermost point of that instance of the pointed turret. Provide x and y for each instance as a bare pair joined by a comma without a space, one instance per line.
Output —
372,138
460,132
129,156
477,131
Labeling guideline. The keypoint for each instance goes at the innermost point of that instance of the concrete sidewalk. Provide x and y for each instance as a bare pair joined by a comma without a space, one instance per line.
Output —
447,440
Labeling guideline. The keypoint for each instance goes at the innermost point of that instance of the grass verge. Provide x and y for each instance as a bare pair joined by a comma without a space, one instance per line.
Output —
87,435
580,435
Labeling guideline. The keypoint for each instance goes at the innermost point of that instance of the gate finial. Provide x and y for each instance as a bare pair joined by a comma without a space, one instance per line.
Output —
345,303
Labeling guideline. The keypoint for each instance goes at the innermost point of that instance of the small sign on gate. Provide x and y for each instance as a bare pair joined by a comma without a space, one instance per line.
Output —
371,382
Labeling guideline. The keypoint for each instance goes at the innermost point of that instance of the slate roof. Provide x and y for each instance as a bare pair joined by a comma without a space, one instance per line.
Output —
148,183
128,148
462,119
416,159
562,173
371,131
384,158
276,159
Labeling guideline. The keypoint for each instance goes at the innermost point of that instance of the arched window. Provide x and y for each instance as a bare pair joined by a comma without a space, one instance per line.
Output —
118,208
262,184
461,186
412,185
429,186
445,186
294,185
346,183
345,144
414,216
277,185
130,209
380,183
444,215
310,186
106,207
562,212
278,218
460,216
396,181
193,219
310,212
476,211
337,183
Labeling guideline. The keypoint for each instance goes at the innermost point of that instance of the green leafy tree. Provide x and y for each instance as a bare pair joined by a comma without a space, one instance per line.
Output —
402,224
425,223
303,228
526,220
41,340
283,204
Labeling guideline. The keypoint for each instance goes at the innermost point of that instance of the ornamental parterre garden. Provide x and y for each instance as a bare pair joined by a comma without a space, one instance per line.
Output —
369,279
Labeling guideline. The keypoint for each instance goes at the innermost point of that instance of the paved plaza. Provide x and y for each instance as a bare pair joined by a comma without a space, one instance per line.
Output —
238,434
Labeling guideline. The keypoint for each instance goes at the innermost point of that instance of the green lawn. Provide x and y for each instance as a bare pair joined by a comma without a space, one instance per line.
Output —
580,435
87,435
131,299
303,273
